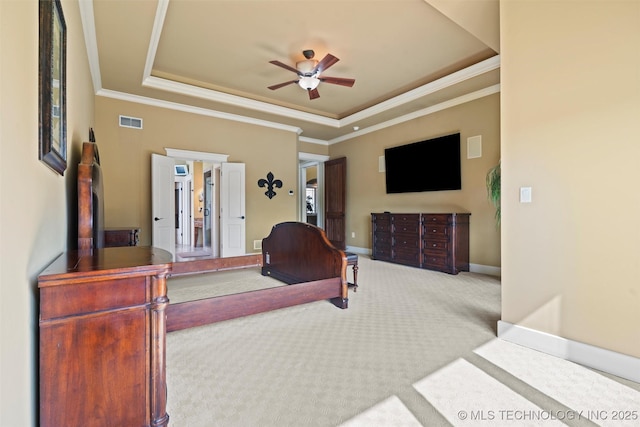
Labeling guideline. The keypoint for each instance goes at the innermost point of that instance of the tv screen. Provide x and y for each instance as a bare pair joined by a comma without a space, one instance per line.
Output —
430,165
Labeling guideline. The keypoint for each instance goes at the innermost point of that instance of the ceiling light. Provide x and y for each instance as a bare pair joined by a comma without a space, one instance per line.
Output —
308,82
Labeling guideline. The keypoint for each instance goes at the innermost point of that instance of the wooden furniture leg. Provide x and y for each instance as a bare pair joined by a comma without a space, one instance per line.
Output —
352,259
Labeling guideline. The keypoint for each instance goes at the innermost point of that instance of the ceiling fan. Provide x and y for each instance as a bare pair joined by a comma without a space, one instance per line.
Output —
309,73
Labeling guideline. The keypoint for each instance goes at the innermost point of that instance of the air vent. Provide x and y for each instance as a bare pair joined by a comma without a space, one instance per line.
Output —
130,122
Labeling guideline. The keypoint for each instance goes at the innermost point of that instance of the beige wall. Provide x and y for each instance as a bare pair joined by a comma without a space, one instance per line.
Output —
570,126
311,148
36,204
366,191
125,155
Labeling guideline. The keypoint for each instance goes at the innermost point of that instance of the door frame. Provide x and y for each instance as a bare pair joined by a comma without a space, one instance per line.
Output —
216,160
185,204
306,160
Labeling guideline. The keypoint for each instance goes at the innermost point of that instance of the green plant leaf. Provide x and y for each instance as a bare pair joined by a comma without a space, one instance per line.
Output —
493,189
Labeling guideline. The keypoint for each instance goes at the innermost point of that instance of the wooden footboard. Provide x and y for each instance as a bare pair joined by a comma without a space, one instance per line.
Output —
295,253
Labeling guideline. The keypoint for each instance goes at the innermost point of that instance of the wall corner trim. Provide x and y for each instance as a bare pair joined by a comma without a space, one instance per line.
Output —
588,355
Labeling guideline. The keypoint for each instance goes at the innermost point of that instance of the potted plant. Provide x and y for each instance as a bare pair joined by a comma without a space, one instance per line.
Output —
493,189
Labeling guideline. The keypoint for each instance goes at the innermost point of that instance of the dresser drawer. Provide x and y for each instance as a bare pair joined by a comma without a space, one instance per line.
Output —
435,231
435,218
91,297
435,246
406,256
382,239
406,223
408,242
436,261
382,227
382,252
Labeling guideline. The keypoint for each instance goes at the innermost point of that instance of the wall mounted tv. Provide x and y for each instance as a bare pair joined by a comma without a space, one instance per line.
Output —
430,165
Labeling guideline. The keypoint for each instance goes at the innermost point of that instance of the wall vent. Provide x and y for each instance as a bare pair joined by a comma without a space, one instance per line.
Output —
130,122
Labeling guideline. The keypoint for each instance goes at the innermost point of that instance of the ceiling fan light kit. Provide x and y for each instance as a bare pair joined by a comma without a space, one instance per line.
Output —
308,83
309,71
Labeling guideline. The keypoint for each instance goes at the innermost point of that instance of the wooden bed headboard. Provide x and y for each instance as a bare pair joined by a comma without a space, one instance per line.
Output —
90,199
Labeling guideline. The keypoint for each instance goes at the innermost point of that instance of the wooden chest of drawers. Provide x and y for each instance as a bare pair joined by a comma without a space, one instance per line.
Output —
435,241
102,338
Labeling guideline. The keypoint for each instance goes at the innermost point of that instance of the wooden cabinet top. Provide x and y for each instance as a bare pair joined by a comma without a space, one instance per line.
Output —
96,264
431,212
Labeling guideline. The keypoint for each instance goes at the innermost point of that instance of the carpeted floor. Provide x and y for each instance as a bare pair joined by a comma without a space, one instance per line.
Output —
415,348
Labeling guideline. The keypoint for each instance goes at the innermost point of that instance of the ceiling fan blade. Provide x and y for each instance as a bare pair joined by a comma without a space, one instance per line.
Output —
285,66
326,62
278,86
313,93
338,81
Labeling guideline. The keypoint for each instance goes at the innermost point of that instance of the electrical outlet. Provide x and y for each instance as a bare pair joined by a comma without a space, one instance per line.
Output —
353,234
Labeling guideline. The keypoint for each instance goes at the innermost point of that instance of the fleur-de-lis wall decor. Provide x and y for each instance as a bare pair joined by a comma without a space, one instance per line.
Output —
270,183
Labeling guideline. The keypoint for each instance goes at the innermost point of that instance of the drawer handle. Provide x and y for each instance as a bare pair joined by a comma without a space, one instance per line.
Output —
435,244
434,230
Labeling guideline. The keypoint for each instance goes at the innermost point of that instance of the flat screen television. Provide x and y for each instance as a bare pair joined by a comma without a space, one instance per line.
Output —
430,165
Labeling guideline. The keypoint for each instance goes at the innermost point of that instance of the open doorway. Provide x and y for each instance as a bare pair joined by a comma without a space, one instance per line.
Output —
193,225
311,200
311,194
197,207
226,204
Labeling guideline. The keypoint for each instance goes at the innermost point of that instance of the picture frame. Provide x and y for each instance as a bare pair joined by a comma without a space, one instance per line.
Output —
52,86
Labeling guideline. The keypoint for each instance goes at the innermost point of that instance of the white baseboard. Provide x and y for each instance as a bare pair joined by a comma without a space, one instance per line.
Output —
473,268
598,358
485,269
357,250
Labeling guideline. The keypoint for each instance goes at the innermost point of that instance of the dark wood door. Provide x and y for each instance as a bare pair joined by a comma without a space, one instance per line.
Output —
335,178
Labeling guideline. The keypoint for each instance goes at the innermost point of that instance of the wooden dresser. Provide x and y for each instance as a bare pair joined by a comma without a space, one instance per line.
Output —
121,236
435,241
102,338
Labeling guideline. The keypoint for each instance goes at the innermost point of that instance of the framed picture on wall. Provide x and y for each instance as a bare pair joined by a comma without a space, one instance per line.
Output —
52,86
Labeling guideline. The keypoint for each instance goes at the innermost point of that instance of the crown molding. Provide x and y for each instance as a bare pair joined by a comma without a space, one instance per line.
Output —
420,113
310,157
195,110
91,42
313,140
470,72
238,101
156,32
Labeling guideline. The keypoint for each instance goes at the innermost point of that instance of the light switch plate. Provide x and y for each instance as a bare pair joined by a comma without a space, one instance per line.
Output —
525,194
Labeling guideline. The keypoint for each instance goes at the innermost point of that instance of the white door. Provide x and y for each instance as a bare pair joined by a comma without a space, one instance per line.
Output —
162,203
232,210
